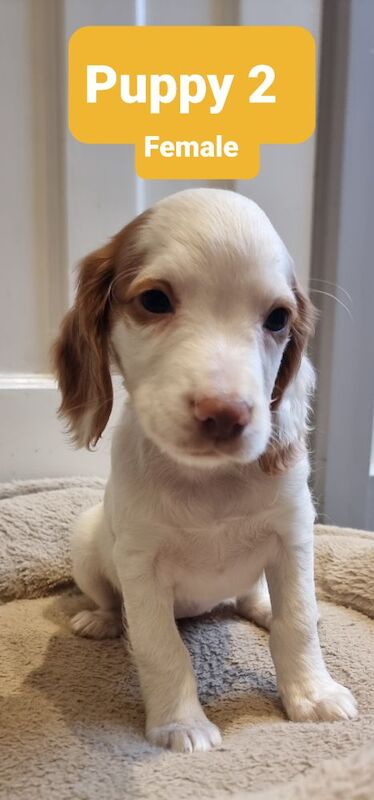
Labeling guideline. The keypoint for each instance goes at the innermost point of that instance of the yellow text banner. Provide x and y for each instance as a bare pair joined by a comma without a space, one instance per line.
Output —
197,102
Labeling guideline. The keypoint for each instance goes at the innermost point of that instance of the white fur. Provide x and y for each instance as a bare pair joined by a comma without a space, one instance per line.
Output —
182,528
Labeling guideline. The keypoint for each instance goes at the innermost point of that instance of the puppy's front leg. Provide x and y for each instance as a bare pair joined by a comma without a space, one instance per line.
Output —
174,716
306,687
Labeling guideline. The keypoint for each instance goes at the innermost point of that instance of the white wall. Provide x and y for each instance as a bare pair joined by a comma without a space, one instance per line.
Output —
22,286
284,186
103,190
61,198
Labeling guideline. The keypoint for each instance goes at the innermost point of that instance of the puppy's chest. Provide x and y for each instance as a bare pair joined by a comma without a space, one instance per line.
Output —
208,566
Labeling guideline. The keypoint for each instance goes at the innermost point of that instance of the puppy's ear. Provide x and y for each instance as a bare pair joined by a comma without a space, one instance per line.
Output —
302,329
295,373
81,351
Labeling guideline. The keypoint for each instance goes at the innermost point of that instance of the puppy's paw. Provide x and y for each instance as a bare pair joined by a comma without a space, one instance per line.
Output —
97,624
189,737
326,701
255,611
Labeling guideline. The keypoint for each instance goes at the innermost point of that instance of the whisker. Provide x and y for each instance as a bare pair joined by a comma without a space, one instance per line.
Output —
340,302
331,283
129,275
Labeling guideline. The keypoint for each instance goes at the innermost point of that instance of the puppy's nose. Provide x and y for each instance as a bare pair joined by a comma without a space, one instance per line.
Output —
221,418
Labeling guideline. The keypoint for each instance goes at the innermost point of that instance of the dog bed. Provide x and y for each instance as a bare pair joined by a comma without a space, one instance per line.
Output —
71,716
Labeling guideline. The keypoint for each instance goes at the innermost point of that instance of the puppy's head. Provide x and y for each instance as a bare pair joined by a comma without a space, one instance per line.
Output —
197,302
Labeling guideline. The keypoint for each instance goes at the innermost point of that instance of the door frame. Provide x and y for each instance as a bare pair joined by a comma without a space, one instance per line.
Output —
342,261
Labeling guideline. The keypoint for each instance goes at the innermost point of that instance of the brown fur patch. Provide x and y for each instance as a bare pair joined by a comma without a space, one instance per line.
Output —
279,457
302,328
81,354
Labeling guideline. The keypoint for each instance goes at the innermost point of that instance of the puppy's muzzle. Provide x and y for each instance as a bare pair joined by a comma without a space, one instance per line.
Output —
222,419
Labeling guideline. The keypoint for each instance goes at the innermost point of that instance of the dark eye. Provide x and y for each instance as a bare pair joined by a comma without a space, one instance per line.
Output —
277,320
156,302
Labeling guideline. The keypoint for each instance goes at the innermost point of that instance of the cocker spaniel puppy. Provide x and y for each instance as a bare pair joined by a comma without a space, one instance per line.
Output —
197,304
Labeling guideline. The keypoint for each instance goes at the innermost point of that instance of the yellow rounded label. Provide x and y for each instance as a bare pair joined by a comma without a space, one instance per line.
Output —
197,102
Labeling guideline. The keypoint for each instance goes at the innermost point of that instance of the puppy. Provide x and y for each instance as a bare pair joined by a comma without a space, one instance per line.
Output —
197,304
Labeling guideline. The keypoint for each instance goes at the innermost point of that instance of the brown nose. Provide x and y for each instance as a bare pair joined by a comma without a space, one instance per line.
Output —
222,419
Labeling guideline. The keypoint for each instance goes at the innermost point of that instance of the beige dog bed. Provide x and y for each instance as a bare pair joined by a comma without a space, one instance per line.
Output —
71,717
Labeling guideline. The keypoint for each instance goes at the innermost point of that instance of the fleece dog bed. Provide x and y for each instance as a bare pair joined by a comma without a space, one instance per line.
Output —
71,716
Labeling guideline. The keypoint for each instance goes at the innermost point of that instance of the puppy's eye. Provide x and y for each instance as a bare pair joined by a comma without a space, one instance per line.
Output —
156,302
277,320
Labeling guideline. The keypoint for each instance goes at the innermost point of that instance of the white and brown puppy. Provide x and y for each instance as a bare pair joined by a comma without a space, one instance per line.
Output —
197,303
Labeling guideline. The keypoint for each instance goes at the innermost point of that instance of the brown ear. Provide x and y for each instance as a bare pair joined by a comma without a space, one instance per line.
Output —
302,329
281,454
81,351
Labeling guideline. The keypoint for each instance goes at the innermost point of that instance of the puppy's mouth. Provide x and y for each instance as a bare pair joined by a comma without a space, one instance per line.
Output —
215,454
188,445
207,458
206,453
217,451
